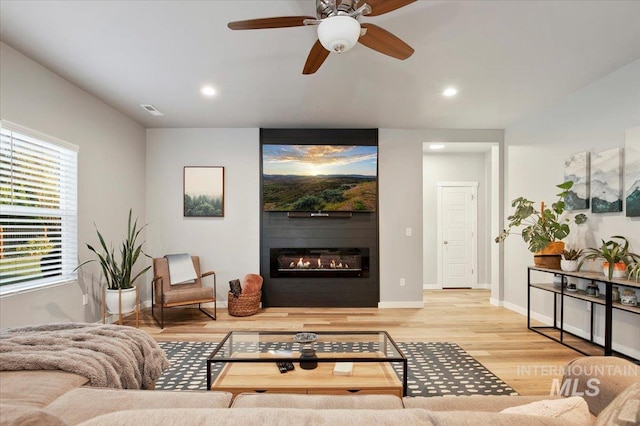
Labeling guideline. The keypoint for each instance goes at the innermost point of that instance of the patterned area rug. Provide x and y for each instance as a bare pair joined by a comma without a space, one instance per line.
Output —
434,369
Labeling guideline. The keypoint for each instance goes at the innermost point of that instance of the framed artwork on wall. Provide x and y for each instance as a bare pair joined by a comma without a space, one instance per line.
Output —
632,172
203,191
576,169
606,181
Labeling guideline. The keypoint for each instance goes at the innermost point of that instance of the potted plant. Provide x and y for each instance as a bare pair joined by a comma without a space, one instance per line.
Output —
633,268
616,255
120,292
542,229
570,259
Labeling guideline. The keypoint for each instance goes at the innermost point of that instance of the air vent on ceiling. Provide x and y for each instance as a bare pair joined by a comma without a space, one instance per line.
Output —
151,109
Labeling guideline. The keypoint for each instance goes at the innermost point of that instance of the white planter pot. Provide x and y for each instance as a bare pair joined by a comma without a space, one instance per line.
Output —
619,270
128,301
569,265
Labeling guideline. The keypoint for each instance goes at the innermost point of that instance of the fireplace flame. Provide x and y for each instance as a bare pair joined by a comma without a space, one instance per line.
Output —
326,264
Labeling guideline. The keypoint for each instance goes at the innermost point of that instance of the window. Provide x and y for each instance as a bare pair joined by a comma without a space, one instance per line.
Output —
38,209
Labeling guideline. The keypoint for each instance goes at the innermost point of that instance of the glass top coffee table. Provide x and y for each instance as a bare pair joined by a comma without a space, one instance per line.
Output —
249,360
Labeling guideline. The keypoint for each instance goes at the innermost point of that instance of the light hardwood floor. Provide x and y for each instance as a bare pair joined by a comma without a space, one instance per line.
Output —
497,337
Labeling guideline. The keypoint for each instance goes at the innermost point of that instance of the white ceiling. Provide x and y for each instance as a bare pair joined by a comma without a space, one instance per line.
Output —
508,58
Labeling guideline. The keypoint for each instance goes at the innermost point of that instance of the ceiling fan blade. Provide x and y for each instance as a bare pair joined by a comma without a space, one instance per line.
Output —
383,41
379,7
316,58
278,22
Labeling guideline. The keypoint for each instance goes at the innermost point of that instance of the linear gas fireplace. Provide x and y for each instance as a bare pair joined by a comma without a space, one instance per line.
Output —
319,234
319,262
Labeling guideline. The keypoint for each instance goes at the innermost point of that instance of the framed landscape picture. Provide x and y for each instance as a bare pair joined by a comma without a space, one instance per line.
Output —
576,169
632,172
606,181
203,191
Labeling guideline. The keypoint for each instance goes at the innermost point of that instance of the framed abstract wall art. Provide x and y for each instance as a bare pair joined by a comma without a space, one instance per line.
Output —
576,169
606,181
203,191
632,172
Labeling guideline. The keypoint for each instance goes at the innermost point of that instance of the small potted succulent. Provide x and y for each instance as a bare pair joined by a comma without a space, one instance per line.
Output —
616,255
570,259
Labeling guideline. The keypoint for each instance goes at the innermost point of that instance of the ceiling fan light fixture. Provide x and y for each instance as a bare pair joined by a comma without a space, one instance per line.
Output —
339,33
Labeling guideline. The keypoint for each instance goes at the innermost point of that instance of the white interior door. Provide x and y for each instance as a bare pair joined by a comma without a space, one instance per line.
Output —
457,230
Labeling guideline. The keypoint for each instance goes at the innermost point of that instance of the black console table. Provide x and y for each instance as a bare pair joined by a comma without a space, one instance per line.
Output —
556,331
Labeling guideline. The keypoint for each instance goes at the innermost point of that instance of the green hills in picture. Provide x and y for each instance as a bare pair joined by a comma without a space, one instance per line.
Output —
319,178
315,193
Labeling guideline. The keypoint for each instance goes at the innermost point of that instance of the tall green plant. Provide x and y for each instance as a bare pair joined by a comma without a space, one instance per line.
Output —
539,228
118,273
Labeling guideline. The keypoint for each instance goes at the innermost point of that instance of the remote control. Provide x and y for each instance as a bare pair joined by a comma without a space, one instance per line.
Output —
285,366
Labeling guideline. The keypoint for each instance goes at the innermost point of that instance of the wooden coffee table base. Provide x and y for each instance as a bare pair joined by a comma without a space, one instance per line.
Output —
367,378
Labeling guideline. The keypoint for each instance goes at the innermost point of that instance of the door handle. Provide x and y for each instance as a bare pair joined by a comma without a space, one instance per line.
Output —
446,242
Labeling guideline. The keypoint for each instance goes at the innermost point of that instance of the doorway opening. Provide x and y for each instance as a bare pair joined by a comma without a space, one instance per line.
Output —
462,164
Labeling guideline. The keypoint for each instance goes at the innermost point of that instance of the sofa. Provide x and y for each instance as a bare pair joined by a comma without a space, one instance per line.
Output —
610,389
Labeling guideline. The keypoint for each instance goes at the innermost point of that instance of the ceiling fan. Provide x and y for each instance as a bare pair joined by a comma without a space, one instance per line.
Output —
339,29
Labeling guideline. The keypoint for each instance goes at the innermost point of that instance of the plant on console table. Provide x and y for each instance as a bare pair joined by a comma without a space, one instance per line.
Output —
616,256
120,292
543,230
633,269
570,259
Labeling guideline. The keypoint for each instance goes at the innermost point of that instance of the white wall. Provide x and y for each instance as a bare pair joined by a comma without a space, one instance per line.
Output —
592,119
110,175
400,187
448,168
229,245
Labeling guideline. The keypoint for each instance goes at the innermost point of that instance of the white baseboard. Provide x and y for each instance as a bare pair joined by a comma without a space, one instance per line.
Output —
600,340
574,330
495,302
439,287
515,308
403,305
522,311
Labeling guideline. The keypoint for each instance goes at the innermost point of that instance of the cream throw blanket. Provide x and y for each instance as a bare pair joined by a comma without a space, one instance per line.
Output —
181,270
107,355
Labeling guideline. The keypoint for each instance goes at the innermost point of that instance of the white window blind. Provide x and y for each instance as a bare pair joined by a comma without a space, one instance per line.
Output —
38,209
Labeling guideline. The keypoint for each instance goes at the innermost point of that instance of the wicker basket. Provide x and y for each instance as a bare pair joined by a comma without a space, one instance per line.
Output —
244,305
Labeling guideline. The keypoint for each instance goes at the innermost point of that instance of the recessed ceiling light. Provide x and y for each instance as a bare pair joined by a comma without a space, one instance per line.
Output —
436,146
449,92
208,91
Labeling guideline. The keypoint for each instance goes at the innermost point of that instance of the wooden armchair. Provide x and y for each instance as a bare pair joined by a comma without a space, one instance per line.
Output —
165,295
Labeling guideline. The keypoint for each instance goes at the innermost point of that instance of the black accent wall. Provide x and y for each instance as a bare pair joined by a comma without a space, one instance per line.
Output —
360,229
